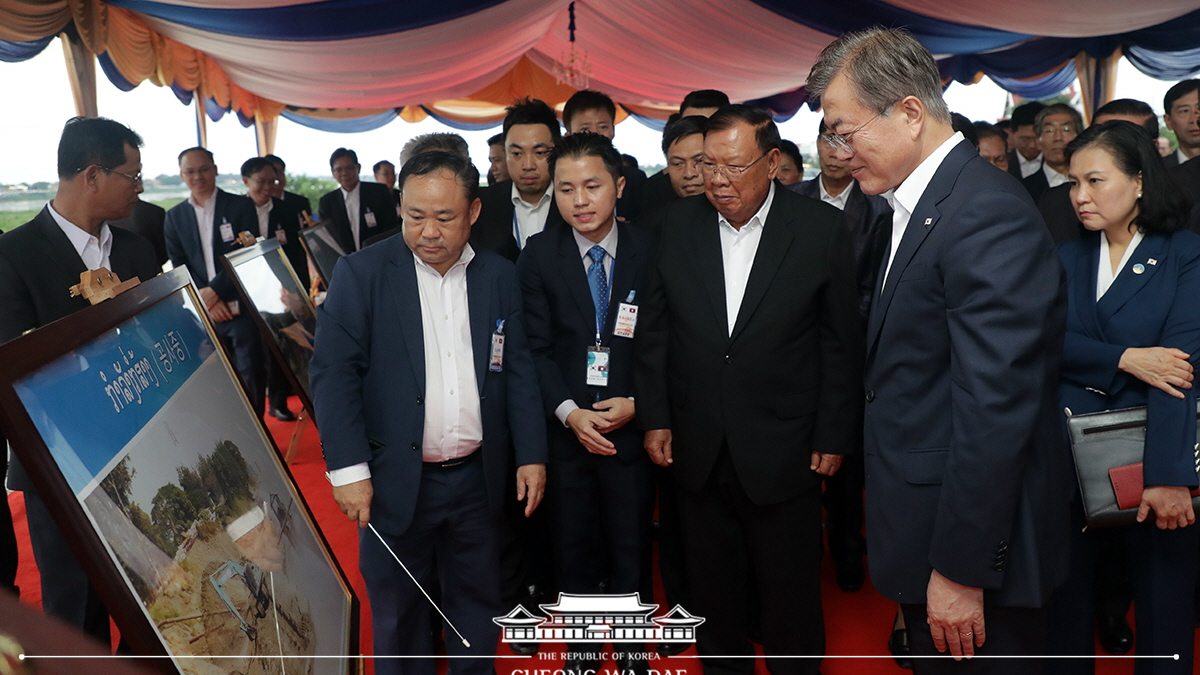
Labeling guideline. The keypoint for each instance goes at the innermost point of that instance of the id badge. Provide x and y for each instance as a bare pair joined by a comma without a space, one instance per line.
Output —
226,232
597,367
626,320
370,218
496,361
281,237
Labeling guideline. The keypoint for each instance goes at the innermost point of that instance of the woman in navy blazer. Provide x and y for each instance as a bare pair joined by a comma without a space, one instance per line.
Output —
1133,330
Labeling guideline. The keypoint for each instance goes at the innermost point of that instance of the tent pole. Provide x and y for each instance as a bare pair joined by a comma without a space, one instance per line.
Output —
81,70
201,126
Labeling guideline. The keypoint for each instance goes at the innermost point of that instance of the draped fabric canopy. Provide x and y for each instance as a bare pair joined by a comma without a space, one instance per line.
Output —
355,64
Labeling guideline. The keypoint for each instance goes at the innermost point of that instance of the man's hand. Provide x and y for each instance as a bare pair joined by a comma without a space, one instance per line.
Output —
955,616
531,480
825,463
355,500
218,311
658,444
1172,506
586,425
615,412
1159,367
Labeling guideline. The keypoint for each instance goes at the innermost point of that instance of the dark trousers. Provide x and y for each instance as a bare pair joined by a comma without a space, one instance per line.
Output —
1163,569
8,539
1010,631
671,558
278,386
66,592
453,522
843,501
242,342
726,536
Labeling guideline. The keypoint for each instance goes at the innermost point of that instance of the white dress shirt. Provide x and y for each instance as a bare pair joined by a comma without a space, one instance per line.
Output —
264,217
453,418
1029,166
94,251
738,247
1053,177
1181,157
204,222
352,211
530,219
609,244
1104,271
840,200
908,194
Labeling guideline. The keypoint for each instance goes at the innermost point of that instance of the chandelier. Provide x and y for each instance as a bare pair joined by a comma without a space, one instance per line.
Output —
573,68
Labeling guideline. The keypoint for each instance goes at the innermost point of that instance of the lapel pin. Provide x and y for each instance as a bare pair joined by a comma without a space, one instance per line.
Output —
1139,268
928,222
1152,261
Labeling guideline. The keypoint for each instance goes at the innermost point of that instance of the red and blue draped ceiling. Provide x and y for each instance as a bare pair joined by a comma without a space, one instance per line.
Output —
351,65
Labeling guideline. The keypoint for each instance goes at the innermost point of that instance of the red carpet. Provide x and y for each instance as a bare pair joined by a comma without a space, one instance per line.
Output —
857,624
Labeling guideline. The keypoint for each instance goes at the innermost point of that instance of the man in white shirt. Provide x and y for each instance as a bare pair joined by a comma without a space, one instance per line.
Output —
1026,156
1056,125
424,386
967,485
356,210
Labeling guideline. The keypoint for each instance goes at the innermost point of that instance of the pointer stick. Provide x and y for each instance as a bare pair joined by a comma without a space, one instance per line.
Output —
410,576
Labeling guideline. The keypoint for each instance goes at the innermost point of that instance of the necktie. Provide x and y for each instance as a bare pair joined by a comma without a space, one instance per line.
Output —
598,282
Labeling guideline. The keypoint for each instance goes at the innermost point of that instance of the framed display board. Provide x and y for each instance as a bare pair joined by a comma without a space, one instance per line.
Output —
281,308
130,421
322,248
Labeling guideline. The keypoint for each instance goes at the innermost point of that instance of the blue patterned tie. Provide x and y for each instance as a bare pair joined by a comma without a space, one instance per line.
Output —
598,281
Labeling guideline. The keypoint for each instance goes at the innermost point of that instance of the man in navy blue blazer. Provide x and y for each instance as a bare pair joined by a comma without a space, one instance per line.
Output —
420,376
967,482
199,231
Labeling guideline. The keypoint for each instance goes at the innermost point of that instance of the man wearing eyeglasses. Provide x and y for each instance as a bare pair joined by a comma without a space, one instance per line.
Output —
99,169
201,229
966,492
749,384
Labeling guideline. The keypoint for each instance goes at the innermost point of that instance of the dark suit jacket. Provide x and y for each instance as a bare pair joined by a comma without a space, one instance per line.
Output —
1014,164
372,197
146,221
786,382
657,194
629,206
283,216
368,375
299,203
870,221
1056,209
37,266
561,321
1036,184
1154,308
494,228
183,239
966,471
1171,160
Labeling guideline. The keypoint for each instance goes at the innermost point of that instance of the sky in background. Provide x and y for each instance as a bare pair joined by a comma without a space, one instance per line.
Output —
39,102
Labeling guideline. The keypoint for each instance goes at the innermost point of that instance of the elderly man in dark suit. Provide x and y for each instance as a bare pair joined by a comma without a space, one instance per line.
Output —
357,210
198,231
99,169
967,484
749,384
421,375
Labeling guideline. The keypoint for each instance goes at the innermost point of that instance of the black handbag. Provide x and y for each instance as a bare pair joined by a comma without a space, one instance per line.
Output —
1108,450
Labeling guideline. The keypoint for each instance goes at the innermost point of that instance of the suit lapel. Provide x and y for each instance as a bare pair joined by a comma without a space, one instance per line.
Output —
570,266
58,250
622,276
340,223
479,306
1128,283
772,248
1083,295
407,299
711,269
191,241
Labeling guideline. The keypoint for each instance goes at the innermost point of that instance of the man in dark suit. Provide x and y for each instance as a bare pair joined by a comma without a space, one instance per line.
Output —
580,286
99,169
967,485
298,202
593,111
683,148
1056,125
1025,158
869,219
198,231
146,221
372,204
522,206
275,220
421,374
1181,104
748,384
657,192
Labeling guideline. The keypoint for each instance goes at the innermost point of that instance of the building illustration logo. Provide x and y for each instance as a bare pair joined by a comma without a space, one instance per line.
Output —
598,618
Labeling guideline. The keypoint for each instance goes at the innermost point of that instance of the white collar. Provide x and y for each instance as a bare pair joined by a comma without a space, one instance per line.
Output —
909,192
842,196
346,195
760,216
608,243
79,237
208,203
468,254
518,201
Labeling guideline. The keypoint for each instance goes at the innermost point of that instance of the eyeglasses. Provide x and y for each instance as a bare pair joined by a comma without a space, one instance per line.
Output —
842,141
136,179
728,170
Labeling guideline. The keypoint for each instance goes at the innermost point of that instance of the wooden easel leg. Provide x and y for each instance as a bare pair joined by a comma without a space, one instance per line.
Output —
297,436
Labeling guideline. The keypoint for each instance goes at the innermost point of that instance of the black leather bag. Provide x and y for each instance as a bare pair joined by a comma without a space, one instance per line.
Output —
1102,442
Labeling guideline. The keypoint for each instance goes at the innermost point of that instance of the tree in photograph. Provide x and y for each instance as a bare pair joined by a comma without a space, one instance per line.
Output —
172,513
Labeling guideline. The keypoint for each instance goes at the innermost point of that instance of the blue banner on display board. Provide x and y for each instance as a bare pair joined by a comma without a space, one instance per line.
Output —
89,404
